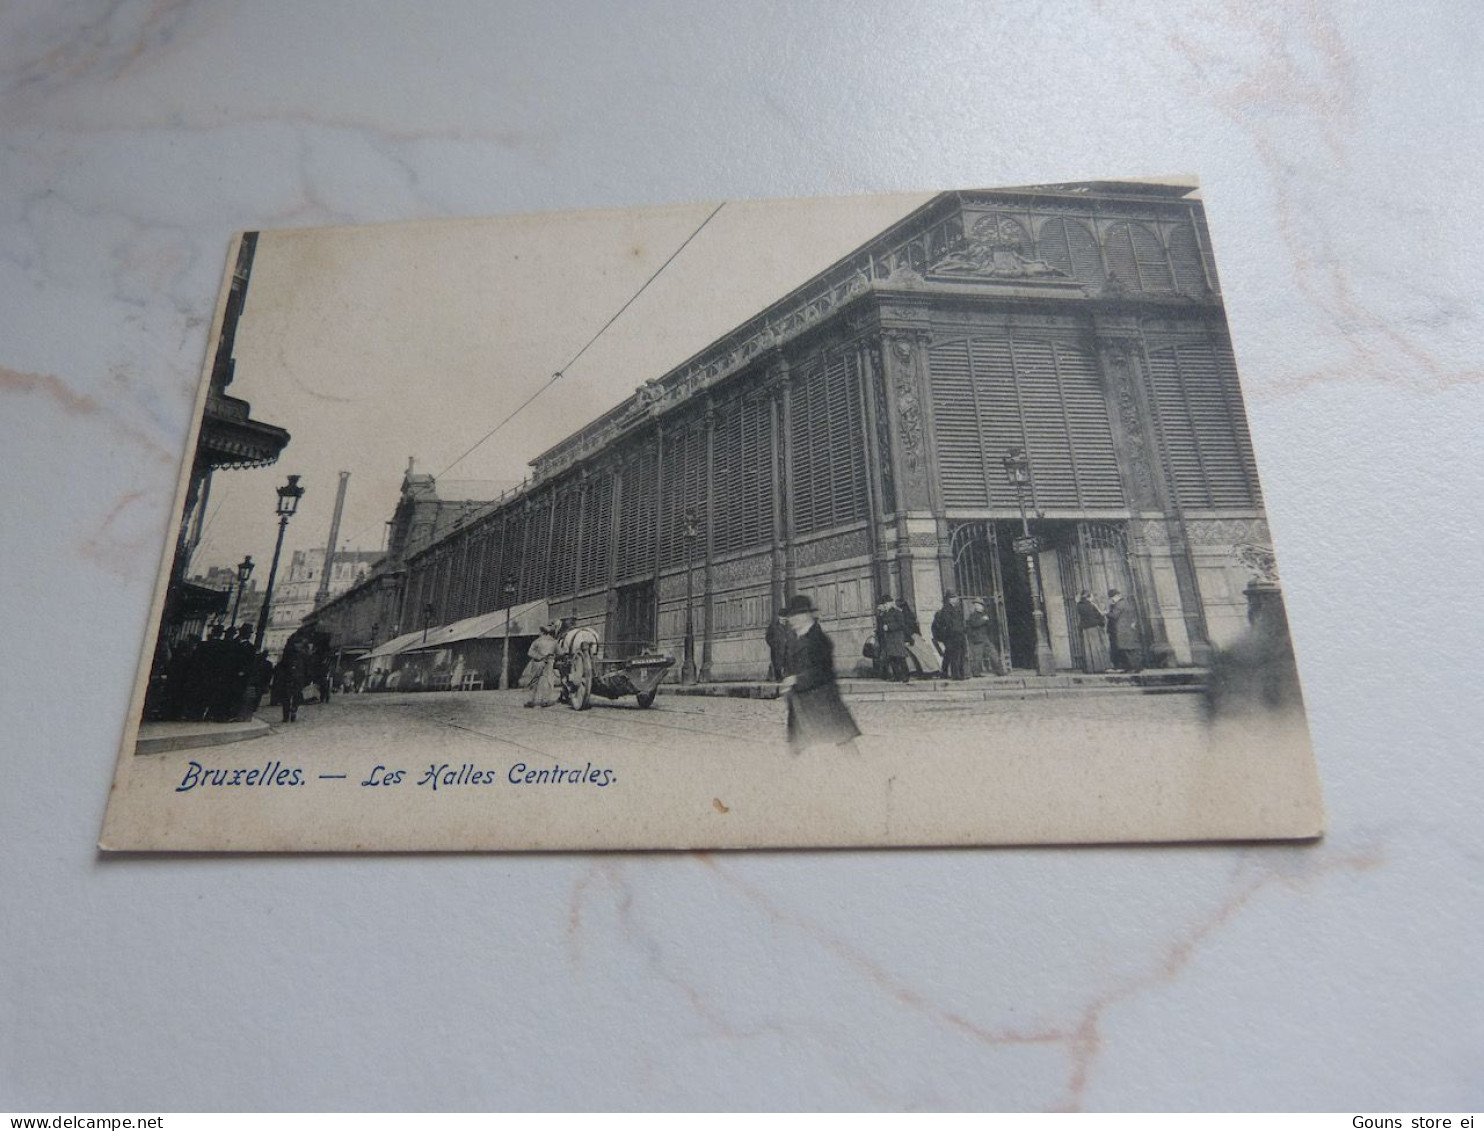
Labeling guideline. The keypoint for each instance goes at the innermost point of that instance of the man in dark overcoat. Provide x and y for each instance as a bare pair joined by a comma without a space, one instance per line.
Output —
817,715
1124,645
891,635
211,669
289,678
949,635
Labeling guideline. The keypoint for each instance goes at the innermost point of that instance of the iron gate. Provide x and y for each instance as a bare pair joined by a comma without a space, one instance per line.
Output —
976,573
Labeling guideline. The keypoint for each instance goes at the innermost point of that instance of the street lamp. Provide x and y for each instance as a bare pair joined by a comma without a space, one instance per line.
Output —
691,532
288,502
1018,472
244,571
507,594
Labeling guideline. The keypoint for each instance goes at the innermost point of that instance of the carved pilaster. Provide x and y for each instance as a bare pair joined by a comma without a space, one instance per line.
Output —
783,376
659,512
610,610
707,574
901,353
870,440
921,552
775,484
1117,353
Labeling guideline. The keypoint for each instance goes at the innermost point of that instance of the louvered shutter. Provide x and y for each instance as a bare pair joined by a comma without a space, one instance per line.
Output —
756,471
742,480
1086,411
682,489
960,461
829,486
1047,442
1087,261
1118,245
992,394
593,538
1202,424
637,515
729,477
1203,237
533,567
1070,247
1154,269
1185,257
562,568
1052,247
846,442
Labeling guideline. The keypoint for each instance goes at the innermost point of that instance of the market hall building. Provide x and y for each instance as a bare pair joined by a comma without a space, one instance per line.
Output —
849,441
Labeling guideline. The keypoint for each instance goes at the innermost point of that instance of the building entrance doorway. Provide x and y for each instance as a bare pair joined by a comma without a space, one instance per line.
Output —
634,627
1083,556
1020,615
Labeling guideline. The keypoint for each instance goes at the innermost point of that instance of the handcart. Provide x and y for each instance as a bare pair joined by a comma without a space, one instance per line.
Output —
584,672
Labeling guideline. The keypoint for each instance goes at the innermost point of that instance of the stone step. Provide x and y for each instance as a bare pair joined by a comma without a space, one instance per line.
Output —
1180,681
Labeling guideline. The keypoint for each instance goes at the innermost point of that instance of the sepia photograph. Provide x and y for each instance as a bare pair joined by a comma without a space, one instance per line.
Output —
905,520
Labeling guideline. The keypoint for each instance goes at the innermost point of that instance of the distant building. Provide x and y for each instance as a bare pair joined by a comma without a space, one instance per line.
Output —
293,594
223,579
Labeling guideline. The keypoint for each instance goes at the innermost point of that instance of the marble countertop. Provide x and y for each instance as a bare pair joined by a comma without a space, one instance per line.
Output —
1338,146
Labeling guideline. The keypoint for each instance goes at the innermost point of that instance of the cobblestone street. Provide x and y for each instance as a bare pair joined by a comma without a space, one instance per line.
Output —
486,723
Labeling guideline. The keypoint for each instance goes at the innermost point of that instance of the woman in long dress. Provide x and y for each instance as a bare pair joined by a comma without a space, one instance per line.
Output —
540,672
817,716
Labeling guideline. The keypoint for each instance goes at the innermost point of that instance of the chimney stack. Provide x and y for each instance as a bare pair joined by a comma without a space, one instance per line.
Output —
324,577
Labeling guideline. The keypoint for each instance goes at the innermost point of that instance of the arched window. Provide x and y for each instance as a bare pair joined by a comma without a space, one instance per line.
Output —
996,227
1136,256
1068,246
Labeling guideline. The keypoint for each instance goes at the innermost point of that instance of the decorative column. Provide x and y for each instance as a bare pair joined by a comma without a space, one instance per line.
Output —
786,486
875,508
659,525
610,566
1156,551
707,574
775,493
921,547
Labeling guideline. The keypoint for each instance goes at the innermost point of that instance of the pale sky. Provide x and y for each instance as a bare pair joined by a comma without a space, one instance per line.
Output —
376,343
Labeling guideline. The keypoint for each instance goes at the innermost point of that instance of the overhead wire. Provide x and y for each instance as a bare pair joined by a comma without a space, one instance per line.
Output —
556,376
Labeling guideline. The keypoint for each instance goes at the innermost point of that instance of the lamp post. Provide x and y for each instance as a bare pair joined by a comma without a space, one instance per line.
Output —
244,571
288,502
691,531
507,593
1018,472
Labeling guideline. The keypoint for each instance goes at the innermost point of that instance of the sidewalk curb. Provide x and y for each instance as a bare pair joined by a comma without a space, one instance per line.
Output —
162,738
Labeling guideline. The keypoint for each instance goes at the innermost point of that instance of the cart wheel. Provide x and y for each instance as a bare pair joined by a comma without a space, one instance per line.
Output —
580,680
647,697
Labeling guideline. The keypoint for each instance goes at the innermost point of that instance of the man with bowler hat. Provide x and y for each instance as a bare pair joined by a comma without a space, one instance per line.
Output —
817,716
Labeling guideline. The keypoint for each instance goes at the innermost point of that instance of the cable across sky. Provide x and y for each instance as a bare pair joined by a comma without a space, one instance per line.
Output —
555,377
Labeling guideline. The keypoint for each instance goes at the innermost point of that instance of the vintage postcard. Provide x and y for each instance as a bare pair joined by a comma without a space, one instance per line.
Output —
911,520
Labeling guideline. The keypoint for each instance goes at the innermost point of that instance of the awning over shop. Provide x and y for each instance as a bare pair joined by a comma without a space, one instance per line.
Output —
525,620
195,601
394,645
